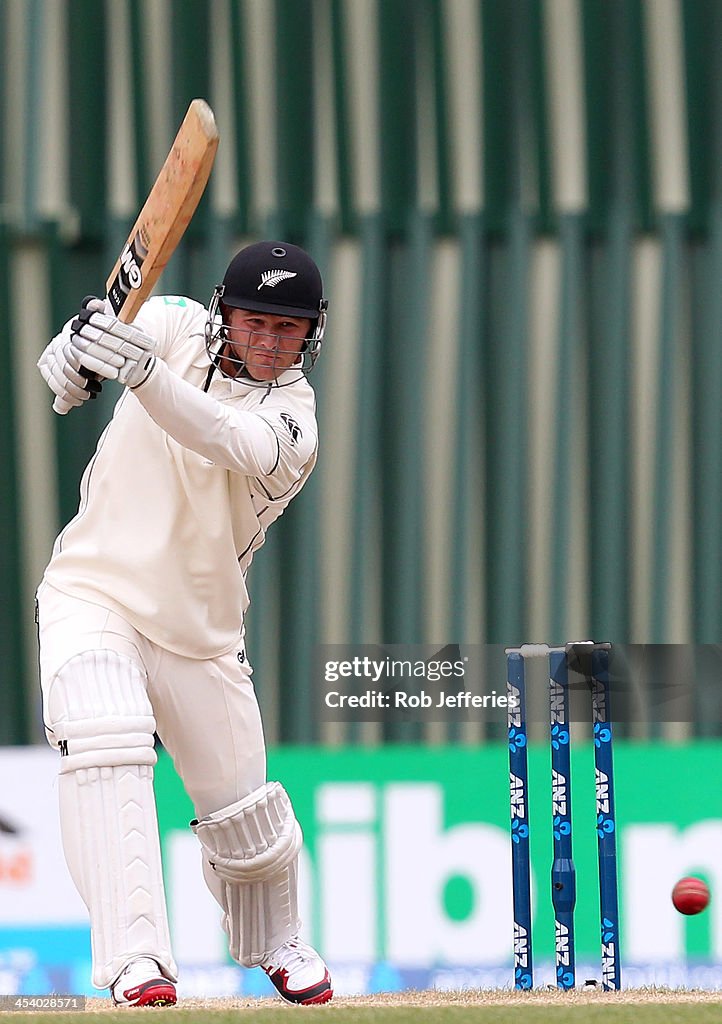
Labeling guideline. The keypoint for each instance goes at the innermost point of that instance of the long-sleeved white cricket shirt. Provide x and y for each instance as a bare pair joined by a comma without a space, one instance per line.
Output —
182,488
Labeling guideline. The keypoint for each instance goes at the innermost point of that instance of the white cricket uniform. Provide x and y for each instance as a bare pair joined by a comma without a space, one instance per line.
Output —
140,616
182,489
174,503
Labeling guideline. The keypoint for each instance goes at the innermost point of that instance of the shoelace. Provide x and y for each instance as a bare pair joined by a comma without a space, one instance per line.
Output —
144,963
289,953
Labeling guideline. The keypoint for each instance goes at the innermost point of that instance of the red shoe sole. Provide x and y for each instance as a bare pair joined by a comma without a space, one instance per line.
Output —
324,997
158,994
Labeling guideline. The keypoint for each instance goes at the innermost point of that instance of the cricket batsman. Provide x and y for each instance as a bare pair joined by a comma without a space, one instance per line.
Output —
140,613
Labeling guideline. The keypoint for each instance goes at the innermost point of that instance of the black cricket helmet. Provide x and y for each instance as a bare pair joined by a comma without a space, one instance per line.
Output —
271,277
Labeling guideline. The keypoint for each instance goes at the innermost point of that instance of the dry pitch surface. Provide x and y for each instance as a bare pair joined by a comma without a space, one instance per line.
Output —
634,1006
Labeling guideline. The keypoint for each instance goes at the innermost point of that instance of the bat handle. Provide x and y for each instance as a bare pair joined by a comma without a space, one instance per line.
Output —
88,374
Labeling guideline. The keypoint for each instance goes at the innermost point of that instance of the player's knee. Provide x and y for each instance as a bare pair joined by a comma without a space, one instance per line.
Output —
99,713
253,839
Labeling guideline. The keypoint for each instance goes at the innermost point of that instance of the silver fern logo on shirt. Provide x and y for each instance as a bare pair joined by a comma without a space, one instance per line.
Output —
270,278
292,427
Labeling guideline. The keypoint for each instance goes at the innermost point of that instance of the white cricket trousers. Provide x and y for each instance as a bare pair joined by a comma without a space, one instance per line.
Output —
206,712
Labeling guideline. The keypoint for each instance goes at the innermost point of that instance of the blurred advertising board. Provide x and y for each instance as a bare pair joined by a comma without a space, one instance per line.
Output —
405,870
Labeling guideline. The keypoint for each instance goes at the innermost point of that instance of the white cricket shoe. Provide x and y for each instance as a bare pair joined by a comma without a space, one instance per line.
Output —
142,984
299,973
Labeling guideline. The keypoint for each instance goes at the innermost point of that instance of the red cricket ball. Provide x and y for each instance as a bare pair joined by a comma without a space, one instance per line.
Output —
690,895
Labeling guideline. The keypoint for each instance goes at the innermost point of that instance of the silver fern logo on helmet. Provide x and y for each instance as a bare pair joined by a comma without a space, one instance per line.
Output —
271,278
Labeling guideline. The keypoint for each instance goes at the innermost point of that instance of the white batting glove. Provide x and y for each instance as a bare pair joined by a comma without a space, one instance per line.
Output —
61,370
110,348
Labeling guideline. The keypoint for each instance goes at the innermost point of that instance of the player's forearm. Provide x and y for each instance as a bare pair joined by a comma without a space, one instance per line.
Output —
239,441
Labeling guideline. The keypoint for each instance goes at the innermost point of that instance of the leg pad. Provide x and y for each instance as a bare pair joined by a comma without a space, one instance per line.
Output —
251,867
101,719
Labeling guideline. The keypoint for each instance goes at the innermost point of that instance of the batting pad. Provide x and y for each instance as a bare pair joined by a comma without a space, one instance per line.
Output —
252,870
102,719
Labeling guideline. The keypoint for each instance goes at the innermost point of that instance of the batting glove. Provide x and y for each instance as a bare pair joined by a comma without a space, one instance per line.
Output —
110,348
62,371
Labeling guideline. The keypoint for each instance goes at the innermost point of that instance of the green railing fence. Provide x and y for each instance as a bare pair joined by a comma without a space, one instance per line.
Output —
517,205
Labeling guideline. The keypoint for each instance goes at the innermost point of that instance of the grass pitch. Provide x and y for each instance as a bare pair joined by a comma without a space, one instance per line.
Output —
635,1006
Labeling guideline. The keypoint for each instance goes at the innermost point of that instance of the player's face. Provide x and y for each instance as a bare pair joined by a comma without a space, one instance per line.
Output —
265,344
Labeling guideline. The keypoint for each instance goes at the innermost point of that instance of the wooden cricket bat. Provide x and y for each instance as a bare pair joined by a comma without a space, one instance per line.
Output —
166,214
